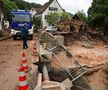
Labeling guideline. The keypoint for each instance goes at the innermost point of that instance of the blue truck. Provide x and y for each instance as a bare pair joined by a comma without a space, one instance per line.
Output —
20,18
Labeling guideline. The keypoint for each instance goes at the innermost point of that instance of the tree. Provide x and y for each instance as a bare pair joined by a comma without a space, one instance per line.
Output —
37,21
52,18
8,7
82,15
22,5
35,5
98,15
65,16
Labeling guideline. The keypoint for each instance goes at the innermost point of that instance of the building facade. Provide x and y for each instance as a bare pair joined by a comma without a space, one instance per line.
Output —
49,7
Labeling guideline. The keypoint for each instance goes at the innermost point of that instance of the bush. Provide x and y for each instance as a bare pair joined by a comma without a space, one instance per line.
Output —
37,21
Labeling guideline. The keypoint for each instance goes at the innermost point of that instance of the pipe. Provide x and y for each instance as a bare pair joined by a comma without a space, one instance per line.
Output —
45,73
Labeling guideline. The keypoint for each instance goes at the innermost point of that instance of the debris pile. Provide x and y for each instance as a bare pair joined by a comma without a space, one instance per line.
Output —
74,24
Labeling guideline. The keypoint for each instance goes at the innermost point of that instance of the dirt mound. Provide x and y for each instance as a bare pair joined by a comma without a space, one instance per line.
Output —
1,33
81,84
5,33
61,75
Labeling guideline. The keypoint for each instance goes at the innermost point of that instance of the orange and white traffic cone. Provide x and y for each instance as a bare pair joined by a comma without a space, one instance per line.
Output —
23,85
24,62
35,53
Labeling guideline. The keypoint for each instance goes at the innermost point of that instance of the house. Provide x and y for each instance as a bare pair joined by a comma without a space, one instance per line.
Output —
49,7
33,11
1,14
76,17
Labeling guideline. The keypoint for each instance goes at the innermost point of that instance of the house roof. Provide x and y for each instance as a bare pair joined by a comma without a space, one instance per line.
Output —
76,17
37,9
45,6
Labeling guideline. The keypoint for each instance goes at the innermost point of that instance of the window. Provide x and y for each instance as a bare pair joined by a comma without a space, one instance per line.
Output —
53,9
56,9
46,16
21,18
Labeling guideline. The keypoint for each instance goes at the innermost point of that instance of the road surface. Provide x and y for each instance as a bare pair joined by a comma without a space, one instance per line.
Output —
10,57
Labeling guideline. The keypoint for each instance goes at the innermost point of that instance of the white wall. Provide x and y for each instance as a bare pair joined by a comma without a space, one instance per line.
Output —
53,4
33,12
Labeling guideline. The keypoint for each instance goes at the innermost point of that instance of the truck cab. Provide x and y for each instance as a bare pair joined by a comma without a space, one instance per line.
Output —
19,18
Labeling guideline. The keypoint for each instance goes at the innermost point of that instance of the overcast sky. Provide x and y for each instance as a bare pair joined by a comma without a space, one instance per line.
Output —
71,6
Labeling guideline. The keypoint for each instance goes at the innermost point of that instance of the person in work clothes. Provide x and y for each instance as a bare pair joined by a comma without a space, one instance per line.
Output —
24,35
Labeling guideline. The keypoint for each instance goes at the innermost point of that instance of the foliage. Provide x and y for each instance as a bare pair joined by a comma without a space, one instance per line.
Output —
98,15
8,7
37,21
82,15
65,16
97,20
70,14
22,5
53,18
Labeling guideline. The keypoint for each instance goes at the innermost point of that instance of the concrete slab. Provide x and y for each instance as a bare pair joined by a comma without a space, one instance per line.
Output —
51,85
67,83
60,39
32,76
45,52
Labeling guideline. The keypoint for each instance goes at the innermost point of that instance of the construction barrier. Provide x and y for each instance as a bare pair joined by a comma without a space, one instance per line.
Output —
24,62
23,85
35,53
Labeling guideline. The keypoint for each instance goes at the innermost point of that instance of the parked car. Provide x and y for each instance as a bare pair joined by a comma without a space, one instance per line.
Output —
51,29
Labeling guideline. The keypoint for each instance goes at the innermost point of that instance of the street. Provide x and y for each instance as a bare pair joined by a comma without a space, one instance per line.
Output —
10,57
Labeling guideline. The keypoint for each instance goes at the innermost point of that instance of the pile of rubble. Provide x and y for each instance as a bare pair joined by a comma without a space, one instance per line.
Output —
73,24
79,30
5,34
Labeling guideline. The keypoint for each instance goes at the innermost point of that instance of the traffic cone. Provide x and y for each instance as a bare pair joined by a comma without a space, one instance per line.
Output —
24,62
23,85
35,53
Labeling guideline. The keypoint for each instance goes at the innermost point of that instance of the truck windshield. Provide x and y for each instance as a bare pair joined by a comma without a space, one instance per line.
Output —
21,18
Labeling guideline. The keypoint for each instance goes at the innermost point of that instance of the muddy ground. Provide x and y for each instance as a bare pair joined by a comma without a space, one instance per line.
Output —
90,54
10,56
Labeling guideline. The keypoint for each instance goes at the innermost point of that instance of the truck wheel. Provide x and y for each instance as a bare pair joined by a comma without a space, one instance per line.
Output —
14,37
